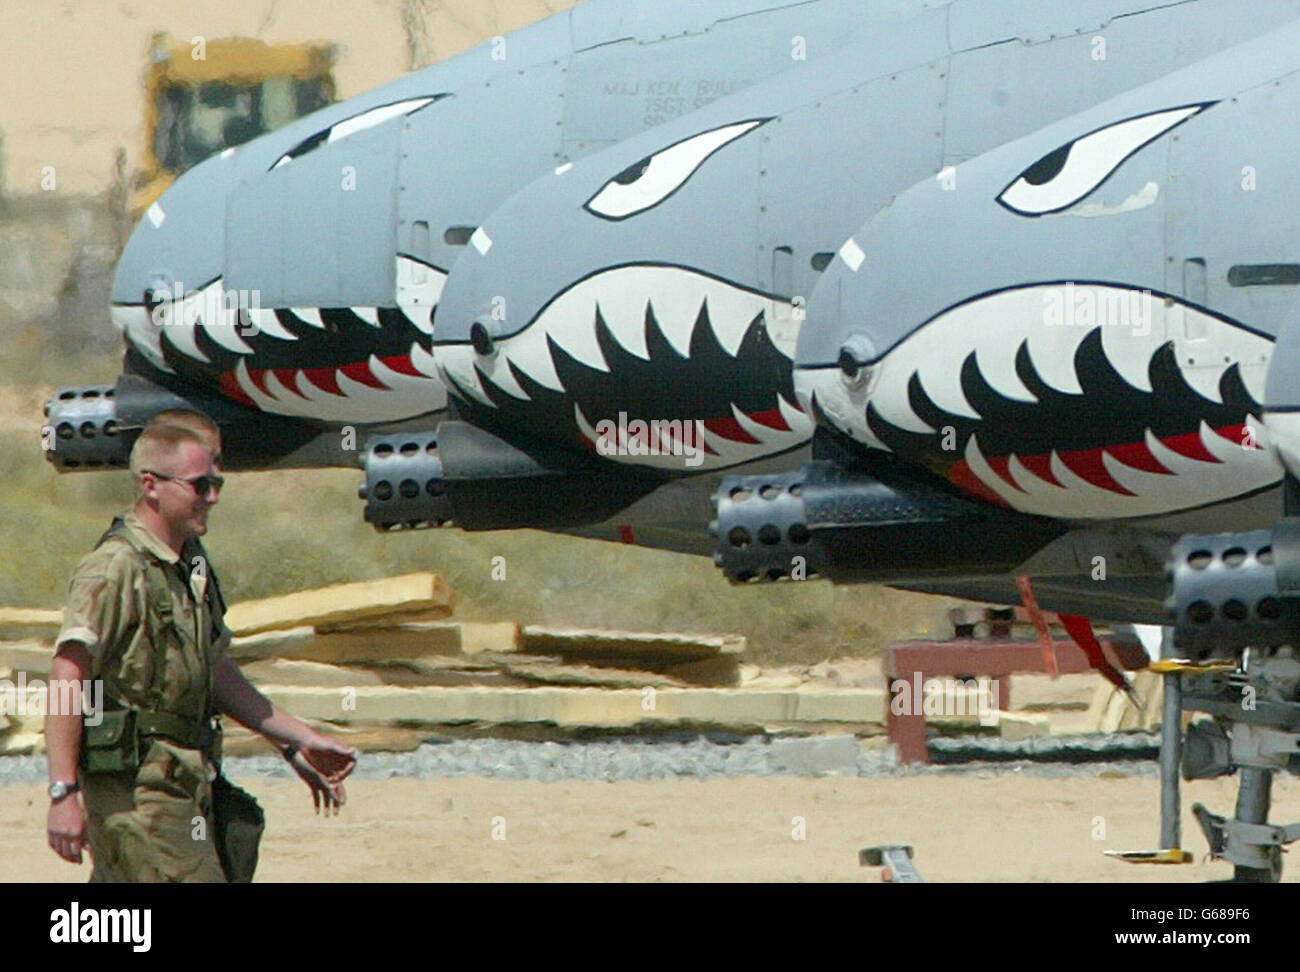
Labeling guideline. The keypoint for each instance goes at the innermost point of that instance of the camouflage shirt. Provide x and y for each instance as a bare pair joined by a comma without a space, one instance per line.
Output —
109,607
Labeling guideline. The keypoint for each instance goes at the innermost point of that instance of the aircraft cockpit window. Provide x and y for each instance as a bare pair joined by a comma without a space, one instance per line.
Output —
656,177
357,123
1066,175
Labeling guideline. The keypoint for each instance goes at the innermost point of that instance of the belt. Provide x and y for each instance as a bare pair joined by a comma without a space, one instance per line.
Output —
185,732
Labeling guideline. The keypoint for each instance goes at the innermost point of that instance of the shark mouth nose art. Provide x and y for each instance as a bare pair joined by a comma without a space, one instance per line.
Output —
345,364
1076,400
648,344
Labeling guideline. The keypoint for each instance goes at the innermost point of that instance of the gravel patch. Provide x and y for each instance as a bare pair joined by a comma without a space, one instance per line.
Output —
703,757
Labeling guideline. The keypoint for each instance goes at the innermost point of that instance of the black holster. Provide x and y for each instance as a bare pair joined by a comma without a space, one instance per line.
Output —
238,822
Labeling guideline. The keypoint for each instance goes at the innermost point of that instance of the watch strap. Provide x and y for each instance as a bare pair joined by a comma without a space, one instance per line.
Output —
64,789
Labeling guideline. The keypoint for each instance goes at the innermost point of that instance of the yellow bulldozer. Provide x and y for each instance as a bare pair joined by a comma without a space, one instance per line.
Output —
209,95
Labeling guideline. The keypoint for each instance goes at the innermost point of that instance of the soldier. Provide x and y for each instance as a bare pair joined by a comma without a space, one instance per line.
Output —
140,620
195,557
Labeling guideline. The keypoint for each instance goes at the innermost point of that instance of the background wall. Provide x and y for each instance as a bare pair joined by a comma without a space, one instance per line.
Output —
73,70
72,127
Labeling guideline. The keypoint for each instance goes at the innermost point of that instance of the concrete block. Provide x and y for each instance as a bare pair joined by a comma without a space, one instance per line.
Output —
826,755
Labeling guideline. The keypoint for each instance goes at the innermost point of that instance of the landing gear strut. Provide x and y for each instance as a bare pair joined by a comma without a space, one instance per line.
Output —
1233,653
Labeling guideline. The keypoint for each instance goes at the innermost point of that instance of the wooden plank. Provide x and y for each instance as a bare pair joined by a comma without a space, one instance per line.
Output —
490,636
392,673
280,671
629,647
239,741
1022,725
32,656
24,710
560,674
384,621
717,672
6,724
291,643
419,639
408,672
422,592
22,744
616,708
12,617
438,663
437,637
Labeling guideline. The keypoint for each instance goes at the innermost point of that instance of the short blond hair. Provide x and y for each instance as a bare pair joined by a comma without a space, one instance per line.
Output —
196,422
159,443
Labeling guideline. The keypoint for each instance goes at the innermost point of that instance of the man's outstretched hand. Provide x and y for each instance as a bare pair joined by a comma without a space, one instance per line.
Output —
66,828
323,765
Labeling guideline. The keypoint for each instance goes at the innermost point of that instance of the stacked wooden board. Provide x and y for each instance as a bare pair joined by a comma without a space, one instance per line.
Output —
380,663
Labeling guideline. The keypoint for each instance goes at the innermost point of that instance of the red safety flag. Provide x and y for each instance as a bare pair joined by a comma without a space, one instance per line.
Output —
1080,629
1040,622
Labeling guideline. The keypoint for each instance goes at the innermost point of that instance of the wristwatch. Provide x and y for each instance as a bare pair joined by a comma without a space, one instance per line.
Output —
59,789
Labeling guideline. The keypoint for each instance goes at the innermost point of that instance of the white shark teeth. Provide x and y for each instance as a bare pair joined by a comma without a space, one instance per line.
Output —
266,321
308,315
624,298
1050,322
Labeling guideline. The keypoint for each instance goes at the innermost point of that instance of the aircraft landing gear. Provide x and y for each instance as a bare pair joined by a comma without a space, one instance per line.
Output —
1235,654
1255,732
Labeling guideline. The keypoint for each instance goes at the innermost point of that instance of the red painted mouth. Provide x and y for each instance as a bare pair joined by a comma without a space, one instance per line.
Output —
1089,465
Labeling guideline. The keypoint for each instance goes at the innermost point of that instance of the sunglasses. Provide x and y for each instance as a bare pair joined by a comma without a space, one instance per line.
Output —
202,484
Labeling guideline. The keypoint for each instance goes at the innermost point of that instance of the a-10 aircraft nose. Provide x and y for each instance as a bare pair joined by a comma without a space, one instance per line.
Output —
473,313
1025,325
841,343
177,247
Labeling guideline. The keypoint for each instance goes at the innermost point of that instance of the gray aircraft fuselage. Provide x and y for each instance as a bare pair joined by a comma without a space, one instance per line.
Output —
643,303
1082,324
334,234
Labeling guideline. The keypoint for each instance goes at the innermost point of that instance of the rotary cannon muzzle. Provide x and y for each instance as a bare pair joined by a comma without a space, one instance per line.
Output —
467,476
1232,591
847,525
82,430
404,487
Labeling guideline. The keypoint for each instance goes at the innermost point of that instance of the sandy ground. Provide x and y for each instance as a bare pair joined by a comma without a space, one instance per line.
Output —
964,829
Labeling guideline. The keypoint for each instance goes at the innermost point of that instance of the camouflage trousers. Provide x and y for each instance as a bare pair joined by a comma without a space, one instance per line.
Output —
154,825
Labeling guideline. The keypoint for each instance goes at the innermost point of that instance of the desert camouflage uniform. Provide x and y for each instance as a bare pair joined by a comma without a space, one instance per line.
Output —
145,826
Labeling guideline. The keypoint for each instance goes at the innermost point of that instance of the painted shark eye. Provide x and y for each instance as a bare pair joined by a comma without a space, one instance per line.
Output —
357,123
1063,177
656,177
